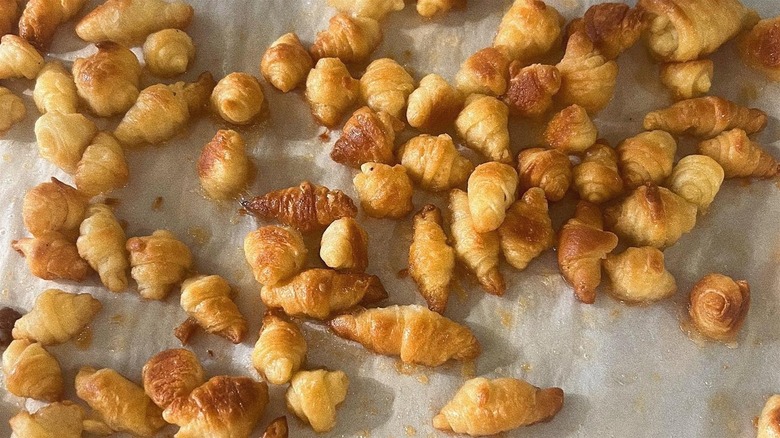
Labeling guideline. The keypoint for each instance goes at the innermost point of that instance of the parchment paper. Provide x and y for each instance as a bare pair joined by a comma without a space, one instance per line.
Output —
626,371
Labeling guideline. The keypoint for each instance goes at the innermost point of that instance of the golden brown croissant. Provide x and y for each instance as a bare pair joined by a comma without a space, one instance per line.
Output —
612,27
571,131
484,72
41,18
739,156
531,89
314,395
331,91
484,127
62,138
52,257
286,63
60,419
385,86
434,105
307,207
434,163
549,169
53,206
280,350
588,78
416,334
197,93
487,407
596,178
758,48
320,293
344,245
652,216
348,38
429,8
376,9
171,374
207,299
527,230
479,252
705,117
431,259
366,137
108,80
103,166
168,52
56,317
639,275
768,422
31,371
647,157
102,244
18,59
223,165
718,306
55,89
684,30
238,98
274,253
384,191
9,13
689,79
582,245
528,30
223,407
278,427
129,22
697,179
121,404
159,262
492,188
12,110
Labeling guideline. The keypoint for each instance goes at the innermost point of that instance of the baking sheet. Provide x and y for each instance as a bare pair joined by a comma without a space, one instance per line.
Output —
626,371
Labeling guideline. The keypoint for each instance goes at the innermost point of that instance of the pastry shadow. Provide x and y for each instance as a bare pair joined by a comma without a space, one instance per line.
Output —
496,352
566,423
368,406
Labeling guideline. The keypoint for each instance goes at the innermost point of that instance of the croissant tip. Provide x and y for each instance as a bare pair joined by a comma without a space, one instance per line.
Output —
440,422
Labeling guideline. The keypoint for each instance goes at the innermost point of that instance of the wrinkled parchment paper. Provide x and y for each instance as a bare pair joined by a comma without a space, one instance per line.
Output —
627,371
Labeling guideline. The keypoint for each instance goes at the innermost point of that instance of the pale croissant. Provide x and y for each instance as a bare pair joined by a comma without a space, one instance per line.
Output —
385,86
483,126
280,350
314,395
102,244
686,80
376,9
549,169
129,22
238,98
55,89
705,117
31,371
431,258
646,158
739,156
18,59
596,178
56,317
12,110
697,179
527,229
159,262
207,299
588,78
62,138
639,275
286,63
348,38
330,91
384,191
434,105
528,30
168,52
223,166
103,166
344,246
492,188
59,419
434,163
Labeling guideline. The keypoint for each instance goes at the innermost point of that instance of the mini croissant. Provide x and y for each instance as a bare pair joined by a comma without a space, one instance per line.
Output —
59,419
52,256
366,137
652,216
531,89
331,91
274,253
168,53
314,395
638,275
529,30
705,117
53,206
483,125
582,245
768,426
280,350
697,179
62,138
348,38
434,105
596,178
223,165
307,207
207,300
430,8
55,89
121,404
12,110
487,407
434,163
159,262
108,80
171,374
344,246
549,169
31,371
492,188
238,98
102,244
588,78
479,252
416,334
571,131
384,191
739,156
320,293
103,166
646,158
18,59
41,18
687,80
527,230
223,407
286,63
718,306
376,9
385,86
56,317
431,259
484,72
129,22
612,27
757,48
